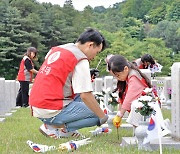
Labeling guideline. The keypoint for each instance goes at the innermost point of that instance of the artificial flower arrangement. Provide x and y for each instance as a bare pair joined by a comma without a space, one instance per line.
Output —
112,99
144,107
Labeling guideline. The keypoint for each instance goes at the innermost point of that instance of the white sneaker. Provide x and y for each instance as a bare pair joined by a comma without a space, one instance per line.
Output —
57,133
53,132
63,133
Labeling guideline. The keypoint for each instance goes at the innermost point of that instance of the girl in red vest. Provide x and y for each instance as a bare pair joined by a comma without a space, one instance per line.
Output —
131,83
145,62
25,74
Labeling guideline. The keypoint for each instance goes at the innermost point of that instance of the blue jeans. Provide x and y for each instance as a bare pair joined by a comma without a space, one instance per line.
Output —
74,116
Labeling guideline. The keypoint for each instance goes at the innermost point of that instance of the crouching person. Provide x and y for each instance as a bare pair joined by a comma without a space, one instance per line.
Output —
65,74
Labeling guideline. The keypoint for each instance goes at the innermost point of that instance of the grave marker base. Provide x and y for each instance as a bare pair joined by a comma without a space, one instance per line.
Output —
167,142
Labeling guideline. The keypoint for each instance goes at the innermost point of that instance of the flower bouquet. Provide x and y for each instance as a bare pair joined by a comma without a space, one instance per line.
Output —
144,107
111,100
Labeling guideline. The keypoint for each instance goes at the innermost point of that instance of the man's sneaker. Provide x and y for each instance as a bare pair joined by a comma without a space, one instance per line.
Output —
63,133
56,133
53,132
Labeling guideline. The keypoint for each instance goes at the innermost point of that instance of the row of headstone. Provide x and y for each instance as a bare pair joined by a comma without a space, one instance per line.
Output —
161,84
8,92
163,87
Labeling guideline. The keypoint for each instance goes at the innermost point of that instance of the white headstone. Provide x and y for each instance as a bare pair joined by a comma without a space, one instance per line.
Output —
7,103
108,84
167,87
2,96
175,106
147,72
13,93
98,84
17,87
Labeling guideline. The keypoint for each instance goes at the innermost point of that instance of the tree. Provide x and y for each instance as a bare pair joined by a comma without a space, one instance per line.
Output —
157,14
13,41
25,7
136,8
174,11
168,31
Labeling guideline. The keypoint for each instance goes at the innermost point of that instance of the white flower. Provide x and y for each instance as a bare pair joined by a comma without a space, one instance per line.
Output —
97,93
115,95
108,90
145,98
110,100
139,105
147,90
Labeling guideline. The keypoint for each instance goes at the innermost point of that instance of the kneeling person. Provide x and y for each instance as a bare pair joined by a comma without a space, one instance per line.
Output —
64,74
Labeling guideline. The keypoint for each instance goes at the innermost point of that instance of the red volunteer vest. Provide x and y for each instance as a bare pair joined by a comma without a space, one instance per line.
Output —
143,81
52,88
24,74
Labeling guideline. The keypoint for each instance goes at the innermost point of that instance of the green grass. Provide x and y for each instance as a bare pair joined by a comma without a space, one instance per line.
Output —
20,127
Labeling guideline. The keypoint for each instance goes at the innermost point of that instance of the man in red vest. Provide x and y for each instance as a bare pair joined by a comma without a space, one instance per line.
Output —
65,74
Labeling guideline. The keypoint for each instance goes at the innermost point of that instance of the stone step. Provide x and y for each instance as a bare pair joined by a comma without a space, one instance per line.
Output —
2,119
167,142
6,115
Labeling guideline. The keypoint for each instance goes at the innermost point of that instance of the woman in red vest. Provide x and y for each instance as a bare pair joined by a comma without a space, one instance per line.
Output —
25,75
131,83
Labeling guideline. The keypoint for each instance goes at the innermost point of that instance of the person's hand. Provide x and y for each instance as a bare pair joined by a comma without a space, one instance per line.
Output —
104,119
94,73
117,121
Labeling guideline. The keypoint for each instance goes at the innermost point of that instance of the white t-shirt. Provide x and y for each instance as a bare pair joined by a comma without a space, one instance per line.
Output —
81,80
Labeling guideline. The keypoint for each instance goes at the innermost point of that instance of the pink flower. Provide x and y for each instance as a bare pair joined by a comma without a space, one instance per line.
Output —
169,90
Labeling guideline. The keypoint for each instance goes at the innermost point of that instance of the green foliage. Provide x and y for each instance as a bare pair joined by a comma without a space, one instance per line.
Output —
157,14
168,31
145,110
126,26
155,47
25,7
136,8
174,11
12,43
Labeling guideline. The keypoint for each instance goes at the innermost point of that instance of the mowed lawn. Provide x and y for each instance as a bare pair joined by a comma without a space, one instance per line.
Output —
21,126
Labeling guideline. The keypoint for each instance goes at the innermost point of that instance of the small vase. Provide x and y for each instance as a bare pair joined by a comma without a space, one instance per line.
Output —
141,133
168,102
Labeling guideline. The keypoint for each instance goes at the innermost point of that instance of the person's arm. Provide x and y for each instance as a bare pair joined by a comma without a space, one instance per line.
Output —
135,88
84,88
34,71
29,66
90,101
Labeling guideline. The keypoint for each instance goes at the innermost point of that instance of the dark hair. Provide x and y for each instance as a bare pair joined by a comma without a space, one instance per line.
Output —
93,36
148,58
117,64
31,49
